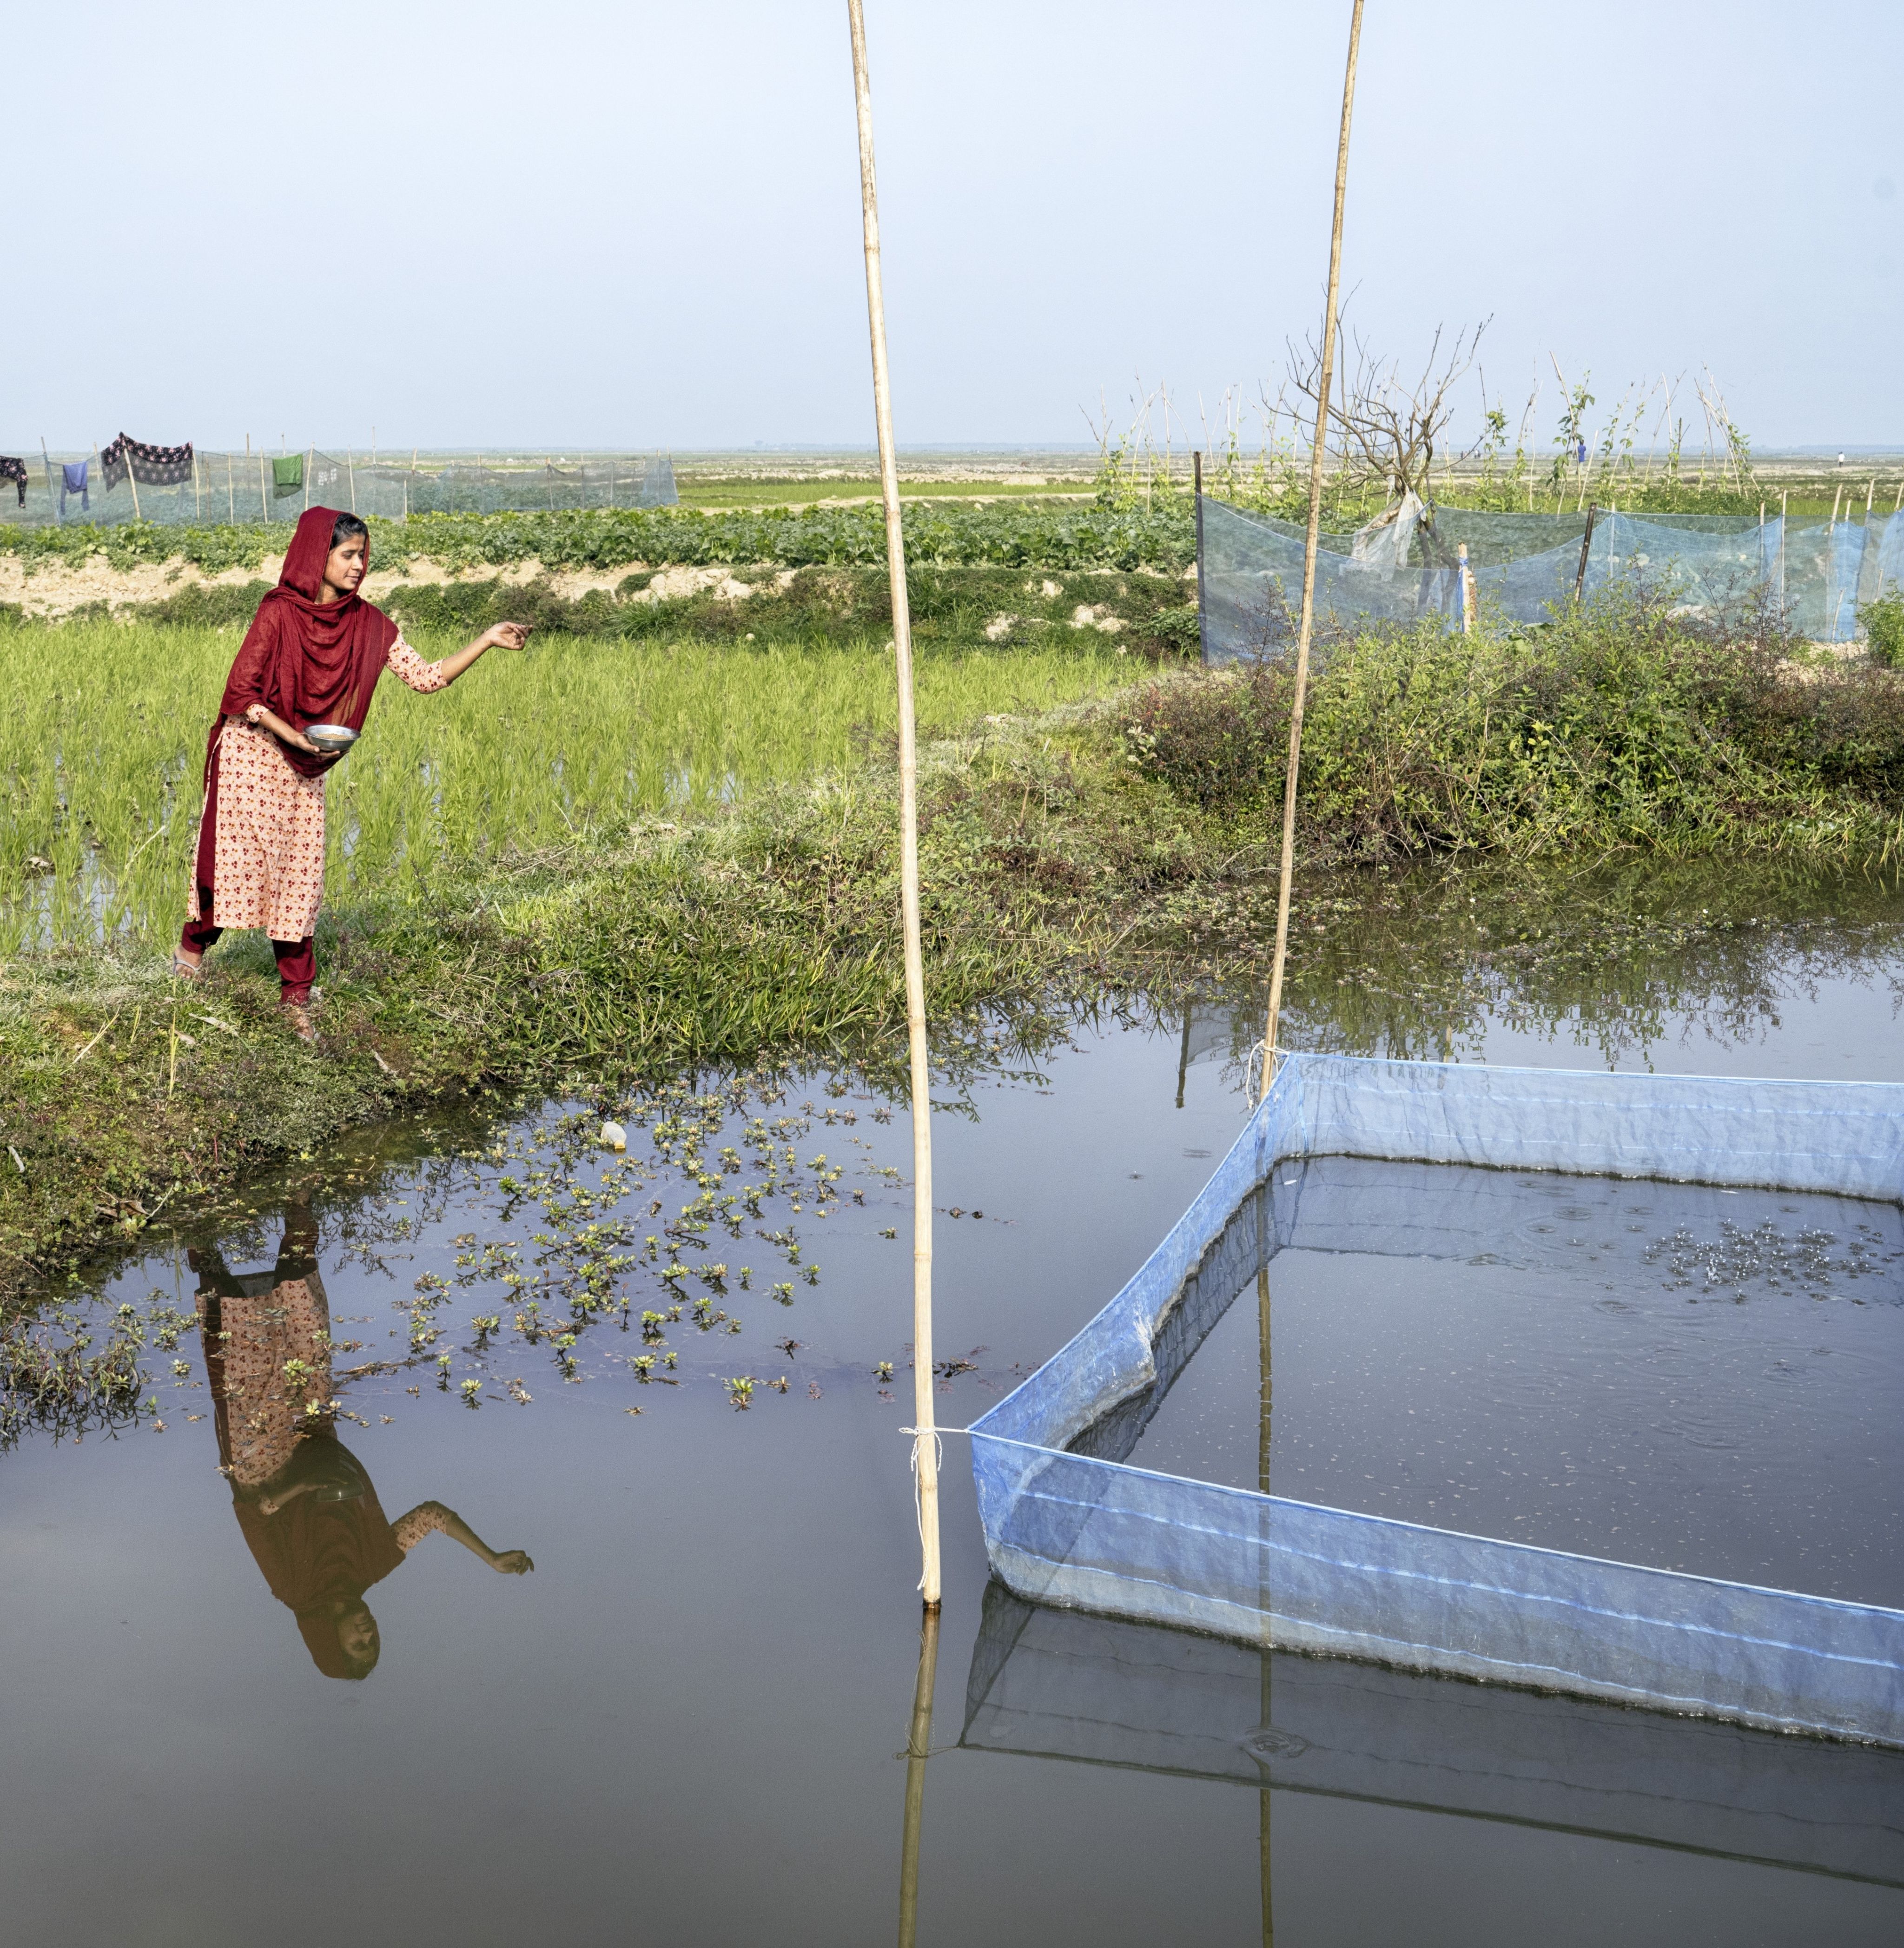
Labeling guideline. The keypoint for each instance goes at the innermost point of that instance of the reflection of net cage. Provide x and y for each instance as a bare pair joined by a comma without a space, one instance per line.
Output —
1817,575
250,489
1058,1684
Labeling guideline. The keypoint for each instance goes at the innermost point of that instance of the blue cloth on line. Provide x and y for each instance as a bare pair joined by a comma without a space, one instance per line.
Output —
74,473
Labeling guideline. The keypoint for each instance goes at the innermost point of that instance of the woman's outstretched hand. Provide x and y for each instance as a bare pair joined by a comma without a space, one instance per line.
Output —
508,636
512,1562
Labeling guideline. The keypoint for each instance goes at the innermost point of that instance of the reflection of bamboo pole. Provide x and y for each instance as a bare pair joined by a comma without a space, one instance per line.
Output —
919,1742
924,1441
1308,556
1264,1398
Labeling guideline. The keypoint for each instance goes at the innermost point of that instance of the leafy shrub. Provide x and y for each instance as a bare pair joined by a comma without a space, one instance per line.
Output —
1211,739
1619,724
1883,621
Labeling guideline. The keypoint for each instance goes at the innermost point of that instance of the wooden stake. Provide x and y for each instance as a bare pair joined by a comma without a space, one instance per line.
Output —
1586,547
924,1440
1835,499
1196,465
46,459
310,461
1467,586
125,453
231,493
1869,492
1308,623
350,467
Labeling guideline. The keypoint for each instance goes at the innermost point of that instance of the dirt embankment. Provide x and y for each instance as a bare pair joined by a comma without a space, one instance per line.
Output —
51,590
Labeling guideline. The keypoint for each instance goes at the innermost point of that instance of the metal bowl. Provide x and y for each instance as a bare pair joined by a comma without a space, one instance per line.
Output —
330,737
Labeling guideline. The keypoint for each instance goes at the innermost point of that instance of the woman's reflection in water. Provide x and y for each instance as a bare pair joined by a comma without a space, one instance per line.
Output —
305,1505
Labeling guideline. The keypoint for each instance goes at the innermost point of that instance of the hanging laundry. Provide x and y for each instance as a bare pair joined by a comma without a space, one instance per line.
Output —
75,476
149,465
15,470
287,475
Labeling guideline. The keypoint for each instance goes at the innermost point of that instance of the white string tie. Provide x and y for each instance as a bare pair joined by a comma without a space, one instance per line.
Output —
919,1500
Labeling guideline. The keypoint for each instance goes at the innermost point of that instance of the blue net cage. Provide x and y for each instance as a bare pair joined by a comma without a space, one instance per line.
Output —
1069,1522
1815,576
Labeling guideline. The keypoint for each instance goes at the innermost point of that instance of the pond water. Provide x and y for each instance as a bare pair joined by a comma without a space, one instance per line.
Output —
259,1689
1694,1378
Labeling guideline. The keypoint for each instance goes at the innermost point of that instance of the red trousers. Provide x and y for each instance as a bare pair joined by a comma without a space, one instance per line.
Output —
297,959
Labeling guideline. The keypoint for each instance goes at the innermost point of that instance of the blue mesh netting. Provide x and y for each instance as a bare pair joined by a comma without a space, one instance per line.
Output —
245,488
1819,574
1067,1522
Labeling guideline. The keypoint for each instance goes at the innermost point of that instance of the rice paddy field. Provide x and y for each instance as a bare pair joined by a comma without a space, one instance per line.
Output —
99,788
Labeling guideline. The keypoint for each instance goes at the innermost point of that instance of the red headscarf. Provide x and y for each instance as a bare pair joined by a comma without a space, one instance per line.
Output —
307,661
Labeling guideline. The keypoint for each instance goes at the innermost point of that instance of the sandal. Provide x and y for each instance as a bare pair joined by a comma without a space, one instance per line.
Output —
297,1019
187,970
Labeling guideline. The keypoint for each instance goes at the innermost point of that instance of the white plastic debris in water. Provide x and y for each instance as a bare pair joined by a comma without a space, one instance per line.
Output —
613,1136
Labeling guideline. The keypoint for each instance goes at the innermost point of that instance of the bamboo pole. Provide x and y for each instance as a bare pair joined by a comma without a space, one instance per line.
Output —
46,460
924,1440
125,453
918,1745
1308,624
230,494
310,461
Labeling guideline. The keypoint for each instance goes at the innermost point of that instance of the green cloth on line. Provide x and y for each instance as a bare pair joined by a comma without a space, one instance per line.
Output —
287,473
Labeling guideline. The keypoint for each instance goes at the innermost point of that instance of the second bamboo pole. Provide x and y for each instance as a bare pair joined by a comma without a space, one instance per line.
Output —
1317,452
924,1440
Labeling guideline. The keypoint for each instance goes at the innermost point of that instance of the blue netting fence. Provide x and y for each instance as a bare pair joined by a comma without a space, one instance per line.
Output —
1068,1523
259,489
1816,575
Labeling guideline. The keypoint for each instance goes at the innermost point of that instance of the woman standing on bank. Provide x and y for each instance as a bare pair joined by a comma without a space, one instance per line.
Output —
312,655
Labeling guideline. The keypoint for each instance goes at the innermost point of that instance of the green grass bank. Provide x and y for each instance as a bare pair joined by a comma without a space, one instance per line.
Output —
621,859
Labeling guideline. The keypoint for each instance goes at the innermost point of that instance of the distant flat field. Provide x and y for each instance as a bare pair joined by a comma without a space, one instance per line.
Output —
697,491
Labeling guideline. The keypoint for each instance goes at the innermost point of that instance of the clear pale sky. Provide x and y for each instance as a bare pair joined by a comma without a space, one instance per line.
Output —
573,223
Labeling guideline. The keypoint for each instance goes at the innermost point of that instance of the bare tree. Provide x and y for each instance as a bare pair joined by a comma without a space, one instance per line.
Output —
1388,430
